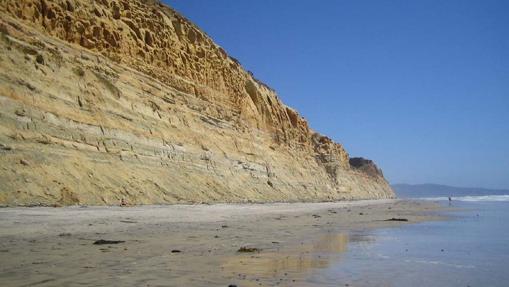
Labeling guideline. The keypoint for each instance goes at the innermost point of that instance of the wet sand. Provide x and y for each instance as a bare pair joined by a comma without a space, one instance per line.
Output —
188,245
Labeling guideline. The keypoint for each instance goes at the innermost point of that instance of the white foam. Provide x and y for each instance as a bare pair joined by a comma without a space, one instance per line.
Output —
440,263
471,198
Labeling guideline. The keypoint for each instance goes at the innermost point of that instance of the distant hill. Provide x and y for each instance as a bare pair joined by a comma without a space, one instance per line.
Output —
438,190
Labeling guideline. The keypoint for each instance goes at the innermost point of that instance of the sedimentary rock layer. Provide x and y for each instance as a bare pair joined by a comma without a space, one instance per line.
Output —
126,99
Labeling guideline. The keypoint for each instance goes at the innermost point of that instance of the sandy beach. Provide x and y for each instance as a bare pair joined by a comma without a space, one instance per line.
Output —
187,245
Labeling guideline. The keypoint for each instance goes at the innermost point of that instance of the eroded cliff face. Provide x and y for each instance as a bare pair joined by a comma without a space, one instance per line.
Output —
104,100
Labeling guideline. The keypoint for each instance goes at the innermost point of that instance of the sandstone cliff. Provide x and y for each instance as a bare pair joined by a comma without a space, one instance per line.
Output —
109,99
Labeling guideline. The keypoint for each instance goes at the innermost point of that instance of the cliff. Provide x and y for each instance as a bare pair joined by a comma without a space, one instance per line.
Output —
111,99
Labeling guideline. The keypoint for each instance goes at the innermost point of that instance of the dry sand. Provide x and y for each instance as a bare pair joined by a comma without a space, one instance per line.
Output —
192,245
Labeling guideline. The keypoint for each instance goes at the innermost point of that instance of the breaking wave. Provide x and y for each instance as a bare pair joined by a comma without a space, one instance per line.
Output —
471,198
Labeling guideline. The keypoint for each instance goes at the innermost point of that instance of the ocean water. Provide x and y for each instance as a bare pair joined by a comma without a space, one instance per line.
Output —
479,198
470,249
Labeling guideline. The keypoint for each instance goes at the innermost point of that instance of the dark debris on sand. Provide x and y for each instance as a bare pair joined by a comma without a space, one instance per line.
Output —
396,219
248,249
104,242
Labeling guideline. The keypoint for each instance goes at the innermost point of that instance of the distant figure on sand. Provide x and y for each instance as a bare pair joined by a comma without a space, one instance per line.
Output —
450,200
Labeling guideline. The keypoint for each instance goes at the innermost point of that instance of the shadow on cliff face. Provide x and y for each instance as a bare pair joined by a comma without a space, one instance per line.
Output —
365,165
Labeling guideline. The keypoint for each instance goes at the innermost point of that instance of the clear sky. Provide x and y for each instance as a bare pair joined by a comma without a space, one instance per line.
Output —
421,87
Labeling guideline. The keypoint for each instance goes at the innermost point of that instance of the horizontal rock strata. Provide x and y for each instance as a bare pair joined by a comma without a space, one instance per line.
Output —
108,100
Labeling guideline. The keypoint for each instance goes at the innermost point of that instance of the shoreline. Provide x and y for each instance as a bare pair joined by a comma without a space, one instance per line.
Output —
193,245
201,203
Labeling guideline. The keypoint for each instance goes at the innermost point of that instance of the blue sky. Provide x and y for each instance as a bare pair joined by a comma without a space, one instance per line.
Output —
421,87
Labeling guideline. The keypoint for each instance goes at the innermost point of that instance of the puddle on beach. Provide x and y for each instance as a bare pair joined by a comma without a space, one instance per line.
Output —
290,265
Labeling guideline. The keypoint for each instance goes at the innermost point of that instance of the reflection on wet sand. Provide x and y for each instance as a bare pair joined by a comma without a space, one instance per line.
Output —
289,263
